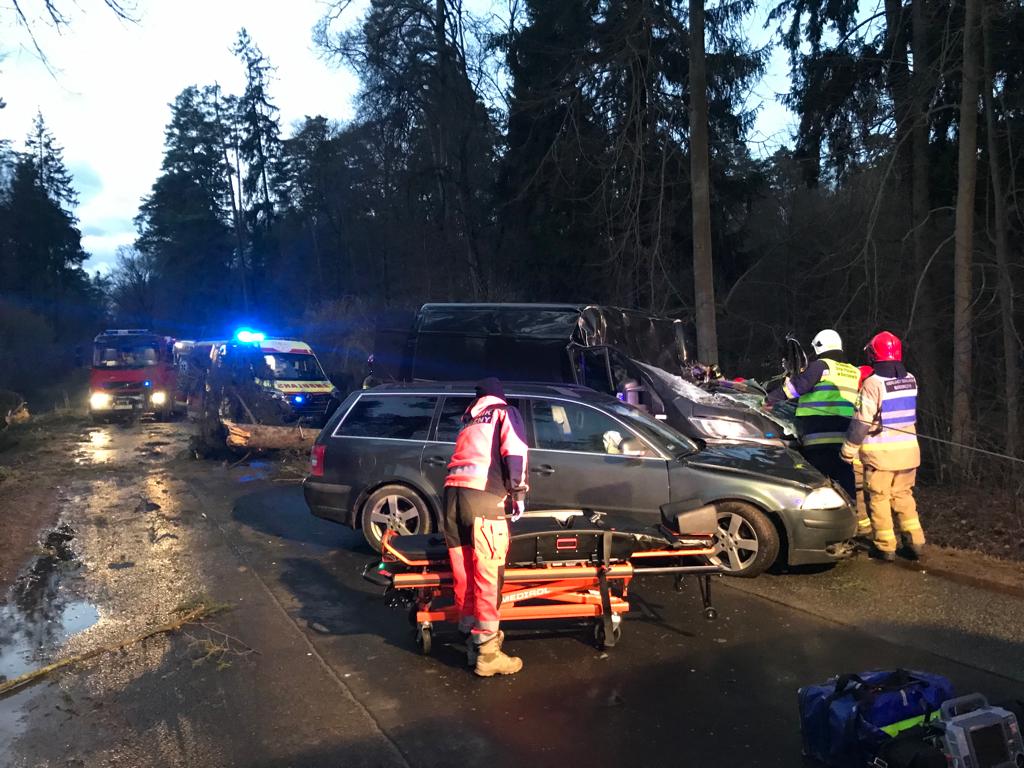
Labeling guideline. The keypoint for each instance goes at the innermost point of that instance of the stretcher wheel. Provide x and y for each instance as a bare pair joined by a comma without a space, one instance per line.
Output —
710,613
423,640
599,634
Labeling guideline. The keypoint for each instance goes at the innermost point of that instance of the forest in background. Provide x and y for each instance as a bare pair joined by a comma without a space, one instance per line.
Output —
545,153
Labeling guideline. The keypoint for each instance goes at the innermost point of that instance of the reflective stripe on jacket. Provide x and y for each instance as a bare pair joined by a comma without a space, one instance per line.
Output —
885,425
490,451
824,413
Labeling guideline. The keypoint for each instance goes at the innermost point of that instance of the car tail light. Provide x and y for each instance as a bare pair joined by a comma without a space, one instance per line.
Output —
316,461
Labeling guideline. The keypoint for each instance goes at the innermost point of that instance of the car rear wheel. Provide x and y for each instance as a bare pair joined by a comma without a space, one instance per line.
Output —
396,508
747,542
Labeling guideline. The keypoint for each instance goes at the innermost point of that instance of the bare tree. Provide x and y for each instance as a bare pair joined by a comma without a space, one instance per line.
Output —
967,167
703,271
53,11
922,85
1011,342
132,287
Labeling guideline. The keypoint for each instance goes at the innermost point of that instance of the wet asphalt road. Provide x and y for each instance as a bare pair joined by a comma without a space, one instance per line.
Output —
313,670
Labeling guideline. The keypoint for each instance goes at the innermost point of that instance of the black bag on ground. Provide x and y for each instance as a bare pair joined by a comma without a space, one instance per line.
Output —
909,749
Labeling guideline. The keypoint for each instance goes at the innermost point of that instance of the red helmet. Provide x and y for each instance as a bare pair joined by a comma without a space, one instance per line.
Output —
884,347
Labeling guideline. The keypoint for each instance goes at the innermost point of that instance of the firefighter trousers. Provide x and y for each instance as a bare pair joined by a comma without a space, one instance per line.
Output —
826,459
890,493
477,535
863,519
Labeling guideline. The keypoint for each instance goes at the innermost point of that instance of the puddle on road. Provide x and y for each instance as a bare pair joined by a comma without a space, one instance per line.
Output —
40,615
95,447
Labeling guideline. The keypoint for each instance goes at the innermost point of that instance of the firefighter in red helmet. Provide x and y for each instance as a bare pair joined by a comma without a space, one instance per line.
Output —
486,481
883,434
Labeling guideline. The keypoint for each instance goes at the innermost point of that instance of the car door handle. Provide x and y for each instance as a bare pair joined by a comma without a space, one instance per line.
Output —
543,469
436,461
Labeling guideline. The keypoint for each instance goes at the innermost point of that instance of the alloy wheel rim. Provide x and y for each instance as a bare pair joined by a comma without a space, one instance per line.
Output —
395,513
736,543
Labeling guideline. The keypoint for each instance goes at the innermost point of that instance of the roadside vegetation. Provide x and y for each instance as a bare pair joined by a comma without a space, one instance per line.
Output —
553,152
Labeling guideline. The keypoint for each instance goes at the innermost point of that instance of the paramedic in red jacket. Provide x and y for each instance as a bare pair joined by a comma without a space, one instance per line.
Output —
486,480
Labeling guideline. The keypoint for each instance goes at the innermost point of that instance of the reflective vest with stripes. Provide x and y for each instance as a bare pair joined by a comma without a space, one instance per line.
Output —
825,411
891,443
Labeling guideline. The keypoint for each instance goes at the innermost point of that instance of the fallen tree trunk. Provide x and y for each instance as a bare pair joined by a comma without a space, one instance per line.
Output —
257,436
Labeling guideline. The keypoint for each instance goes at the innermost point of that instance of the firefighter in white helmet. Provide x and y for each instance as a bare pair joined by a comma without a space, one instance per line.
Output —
826,395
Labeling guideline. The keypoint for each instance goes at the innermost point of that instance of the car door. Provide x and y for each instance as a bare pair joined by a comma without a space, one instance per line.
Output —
576,462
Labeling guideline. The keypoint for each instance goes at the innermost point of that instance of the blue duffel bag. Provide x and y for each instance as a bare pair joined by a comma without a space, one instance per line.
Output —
844,721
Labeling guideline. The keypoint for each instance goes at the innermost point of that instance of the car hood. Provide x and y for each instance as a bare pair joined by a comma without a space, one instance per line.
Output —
685,400
763,462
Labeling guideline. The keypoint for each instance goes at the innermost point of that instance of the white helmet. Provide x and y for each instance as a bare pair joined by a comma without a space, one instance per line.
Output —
826,341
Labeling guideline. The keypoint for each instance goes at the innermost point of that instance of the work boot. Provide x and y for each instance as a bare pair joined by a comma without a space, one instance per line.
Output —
915,551
882,556
473,650
492,661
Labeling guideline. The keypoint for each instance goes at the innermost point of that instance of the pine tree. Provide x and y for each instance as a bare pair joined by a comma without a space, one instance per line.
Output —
184,223
259,129
42,150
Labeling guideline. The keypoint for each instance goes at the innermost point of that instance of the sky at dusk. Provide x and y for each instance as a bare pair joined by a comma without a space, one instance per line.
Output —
106,99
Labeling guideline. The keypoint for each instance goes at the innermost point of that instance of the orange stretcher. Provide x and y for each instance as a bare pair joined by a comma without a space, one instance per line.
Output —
576,569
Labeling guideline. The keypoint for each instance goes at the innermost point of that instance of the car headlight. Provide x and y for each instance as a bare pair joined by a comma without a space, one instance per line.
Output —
726,429
823,498
99,400
158,398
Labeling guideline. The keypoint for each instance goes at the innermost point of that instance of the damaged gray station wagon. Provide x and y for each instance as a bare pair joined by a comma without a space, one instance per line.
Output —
381,462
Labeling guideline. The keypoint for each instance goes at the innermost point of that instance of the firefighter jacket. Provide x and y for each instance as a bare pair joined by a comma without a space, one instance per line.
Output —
826,393
490,451
885,424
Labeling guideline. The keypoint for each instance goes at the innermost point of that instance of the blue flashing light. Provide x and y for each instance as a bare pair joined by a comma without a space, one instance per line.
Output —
249,336
769,435
147,383
299,399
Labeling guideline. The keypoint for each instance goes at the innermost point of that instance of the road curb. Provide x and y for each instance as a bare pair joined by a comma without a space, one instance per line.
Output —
922,566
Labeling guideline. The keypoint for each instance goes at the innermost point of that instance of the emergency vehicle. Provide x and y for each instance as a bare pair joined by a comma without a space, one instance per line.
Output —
132,374
293,374
263,392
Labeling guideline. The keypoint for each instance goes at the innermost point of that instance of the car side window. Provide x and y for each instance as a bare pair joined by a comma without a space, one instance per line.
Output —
564,426
398,417
450,422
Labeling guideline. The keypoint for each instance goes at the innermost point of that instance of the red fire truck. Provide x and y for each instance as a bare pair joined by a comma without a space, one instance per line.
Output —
132,374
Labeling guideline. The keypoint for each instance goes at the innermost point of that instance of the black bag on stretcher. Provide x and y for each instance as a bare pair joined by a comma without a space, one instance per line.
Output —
845,721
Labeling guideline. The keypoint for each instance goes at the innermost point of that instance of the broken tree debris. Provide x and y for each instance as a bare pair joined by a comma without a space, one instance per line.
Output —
191,616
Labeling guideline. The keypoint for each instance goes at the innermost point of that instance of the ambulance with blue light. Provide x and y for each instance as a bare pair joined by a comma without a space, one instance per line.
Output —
293,373
254,390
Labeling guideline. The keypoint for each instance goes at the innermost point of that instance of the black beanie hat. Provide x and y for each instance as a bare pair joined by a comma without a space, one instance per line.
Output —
490,386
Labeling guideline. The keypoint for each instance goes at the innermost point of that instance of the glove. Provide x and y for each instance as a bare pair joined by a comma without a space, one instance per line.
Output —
848,452
518,507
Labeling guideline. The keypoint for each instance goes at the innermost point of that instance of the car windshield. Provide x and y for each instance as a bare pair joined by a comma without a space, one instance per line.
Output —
294,367
663,436
125,356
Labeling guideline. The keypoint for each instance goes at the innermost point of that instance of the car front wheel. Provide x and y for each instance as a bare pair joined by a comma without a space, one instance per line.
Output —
397,508
746,543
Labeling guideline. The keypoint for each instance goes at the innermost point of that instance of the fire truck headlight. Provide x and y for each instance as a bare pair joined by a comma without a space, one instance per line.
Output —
158,398
98,401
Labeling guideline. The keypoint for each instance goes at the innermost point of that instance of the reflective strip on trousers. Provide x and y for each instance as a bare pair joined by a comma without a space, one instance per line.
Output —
824,438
